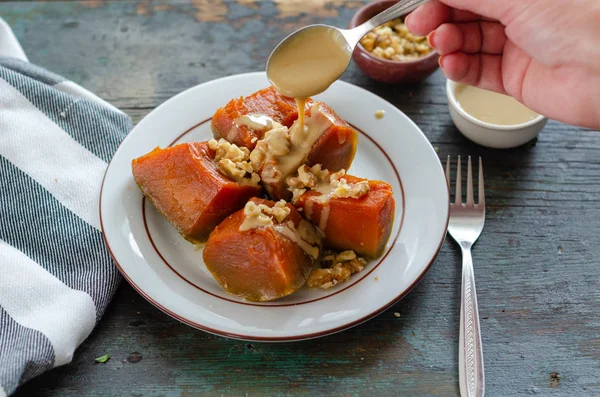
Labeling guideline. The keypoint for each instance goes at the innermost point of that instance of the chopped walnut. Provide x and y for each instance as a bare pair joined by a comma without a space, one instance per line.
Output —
340,187
255,217
306,179
336,269
345,256
368,41
228,150
262,215
280,211
327,278
393,41
245,166
296,194
230,169
329,185
356,265
318,170
234,162
343,189
337,175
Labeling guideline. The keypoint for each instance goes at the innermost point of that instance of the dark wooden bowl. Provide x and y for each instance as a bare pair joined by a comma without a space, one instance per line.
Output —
384,70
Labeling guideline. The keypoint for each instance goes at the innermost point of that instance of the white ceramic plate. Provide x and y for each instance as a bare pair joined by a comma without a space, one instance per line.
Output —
170,273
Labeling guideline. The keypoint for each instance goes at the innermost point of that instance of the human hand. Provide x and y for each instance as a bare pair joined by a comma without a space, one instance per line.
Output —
545,53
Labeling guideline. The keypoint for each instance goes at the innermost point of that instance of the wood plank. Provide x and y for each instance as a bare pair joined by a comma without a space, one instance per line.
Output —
536,263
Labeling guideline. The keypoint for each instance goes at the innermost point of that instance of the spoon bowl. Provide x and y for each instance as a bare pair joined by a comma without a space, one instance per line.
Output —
309,60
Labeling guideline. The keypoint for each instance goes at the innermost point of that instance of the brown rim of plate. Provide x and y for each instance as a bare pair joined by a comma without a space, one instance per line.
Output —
274,338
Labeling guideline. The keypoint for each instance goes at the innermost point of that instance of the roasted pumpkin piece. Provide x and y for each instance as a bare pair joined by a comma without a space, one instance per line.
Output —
263,252
229,122
336,147
362,224
186,187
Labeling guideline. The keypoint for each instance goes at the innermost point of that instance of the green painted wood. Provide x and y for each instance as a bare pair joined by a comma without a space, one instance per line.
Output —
536,263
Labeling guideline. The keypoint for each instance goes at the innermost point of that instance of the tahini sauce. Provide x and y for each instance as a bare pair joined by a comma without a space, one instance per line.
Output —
278,165
303,66
258,122
492,107
308,63
299,236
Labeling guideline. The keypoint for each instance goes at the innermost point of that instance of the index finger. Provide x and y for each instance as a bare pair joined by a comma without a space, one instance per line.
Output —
431,15
495,10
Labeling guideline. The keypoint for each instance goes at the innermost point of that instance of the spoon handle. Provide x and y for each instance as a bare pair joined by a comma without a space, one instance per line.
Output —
401,8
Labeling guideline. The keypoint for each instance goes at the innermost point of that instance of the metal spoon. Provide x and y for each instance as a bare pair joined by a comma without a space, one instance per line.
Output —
333,70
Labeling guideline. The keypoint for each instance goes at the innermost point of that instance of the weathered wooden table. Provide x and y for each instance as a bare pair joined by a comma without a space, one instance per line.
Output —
537,262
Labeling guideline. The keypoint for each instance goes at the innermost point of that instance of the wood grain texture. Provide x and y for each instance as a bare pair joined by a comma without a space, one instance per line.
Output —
536,262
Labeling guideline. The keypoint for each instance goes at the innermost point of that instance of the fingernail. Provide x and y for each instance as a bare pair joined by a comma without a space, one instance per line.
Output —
430,39
406,18
441,61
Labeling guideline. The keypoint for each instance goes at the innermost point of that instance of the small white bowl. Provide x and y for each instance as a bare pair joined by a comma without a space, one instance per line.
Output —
488,134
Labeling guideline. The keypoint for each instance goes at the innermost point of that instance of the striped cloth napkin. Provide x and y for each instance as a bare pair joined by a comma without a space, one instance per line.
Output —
56,275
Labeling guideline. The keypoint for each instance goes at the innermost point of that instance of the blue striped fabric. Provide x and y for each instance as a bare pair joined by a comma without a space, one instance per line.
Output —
82,120
49,255
82,262
27,69
28,351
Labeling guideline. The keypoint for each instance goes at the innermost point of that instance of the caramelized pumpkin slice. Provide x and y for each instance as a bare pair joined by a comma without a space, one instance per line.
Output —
265,262
229,123
185,186
361,224
336,147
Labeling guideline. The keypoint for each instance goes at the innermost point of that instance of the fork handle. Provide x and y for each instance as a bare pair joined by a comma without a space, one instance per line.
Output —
470,354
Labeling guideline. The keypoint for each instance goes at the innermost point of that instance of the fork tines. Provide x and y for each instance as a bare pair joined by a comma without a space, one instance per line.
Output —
458,189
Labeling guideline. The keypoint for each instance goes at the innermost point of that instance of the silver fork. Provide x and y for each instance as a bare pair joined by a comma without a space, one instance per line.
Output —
466,223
